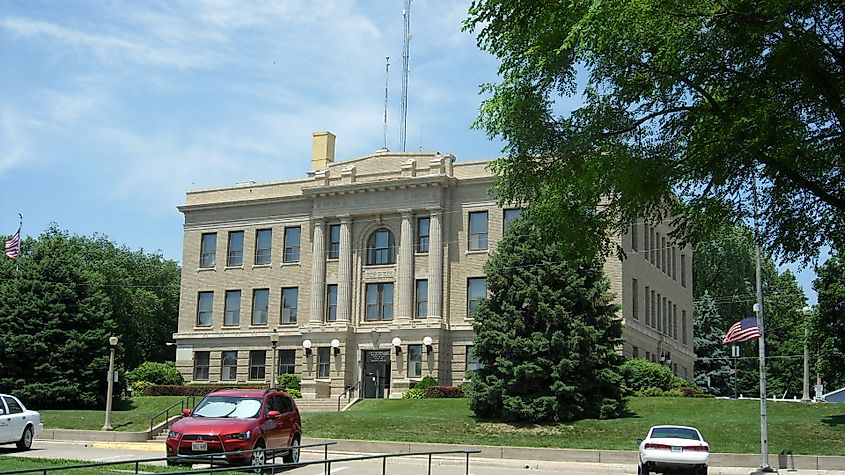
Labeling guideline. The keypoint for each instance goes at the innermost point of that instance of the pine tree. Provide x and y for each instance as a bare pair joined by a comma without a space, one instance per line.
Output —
713,356
547,335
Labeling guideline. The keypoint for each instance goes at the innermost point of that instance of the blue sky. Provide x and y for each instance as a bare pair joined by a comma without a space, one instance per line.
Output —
110,111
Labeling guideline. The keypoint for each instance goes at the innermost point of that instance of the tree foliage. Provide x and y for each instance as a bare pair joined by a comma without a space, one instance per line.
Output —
713,357
155,373
828,323
58,308
686,99
546,335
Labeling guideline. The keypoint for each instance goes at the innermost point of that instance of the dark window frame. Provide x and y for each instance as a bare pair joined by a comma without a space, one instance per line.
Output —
208,257
201,311
257,365
324,361
227,321
263,254
202,370
256,310
291,310
333,249
234,256
378,254
292,251
223,366
381,306
477,240
423,234
331,302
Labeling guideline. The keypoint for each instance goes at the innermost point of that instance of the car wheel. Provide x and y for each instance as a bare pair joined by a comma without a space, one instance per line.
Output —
26,439
702,470
642,469
293,455
259,457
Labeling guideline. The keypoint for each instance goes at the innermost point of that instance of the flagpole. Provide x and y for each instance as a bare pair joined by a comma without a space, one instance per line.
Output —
18,260
764,418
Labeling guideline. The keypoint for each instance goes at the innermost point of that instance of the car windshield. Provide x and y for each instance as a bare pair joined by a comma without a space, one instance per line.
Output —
674,433
228,406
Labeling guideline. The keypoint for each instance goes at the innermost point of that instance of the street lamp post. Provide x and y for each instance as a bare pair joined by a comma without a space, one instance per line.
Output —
112,344
805,397
274,340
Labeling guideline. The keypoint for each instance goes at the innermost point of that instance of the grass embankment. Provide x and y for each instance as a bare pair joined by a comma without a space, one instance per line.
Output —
728,425
21,463
128,415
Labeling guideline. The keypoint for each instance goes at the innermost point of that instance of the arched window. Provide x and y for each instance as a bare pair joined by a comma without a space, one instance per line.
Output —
381,248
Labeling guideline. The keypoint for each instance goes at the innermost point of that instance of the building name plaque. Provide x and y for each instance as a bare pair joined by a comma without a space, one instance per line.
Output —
381,274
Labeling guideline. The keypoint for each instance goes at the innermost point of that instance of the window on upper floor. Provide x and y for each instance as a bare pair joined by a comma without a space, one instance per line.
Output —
290,297
331,302
292,242
263,246
634,237
205,304
235,251
476,290
421,297
379,301
423,225
509,216
683,270
260,306
208,250
477,231
232,311
635,301
334,241
381,249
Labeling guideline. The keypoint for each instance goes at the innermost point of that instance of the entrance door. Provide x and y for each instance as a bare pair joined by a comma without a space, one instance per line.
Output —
376,375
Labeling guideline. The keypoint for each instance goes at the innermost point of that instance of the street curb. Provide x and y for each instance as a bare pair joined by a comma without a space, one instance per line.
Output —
627,457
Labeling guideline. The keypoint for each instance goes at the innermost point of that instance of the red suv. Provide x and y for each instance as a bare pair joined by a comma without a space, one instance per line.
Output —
228,420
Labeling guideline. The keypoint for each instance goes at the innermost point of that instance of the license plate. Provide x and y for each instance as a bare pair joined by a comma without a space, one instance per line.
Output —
199,446
677,449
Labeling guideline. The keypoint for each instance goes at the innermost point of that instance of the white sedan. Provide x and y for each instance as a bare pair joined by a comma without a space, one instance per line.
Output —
673,449
18,424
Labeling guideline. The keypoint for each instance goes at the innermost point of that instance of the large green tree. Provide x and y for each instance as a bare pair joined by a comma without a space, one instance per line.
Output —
713,366
546,335
828,323
684,103
60,302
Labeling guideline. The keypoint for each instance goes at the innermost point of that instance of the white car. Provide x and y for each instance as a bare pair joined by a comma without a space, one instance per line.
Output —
18,424
673,449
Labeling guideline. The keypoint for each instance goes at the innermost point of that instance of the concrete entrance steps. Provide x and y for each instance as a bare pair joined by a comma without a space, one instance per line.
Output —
320,405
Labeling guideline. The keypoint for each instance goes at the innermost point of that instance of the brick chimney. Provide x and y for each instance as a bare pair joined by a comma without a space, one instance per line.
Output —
322,151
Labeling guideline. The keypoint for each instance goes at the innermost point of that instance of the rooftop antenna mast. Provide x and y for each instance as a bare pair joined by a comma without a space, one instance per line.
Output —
386,71
406,54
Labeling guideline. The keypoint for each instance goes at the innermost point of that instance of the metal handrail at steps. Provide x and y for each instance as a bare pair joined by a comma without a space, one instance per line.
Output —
347,392
184,403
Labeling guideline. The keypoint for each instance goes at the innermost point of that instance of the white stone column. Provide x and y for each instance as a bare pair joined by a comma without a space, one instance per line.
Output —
318,273
406,267
344,286
435,265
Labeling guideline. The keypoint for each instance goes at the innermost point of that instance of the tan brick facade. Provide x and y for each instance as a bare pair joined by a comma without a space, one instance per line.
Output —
355,198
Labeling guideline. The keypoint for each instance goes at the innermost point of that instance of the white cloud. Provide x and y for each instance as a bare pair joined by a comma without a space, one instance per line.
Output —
13,145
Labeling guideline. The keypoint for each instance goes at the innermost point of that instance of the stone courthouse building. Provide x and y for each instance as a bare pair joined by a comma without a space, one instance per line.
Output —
365,270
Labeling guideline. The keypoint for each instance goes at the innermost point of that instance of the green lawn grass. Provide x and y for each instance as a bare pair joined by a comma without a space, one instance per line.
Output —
128,415
728,425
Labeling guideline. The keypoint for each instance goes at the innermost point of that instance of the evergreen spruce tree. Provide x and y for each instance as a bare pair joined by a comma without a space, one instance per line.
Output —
716,364
547,335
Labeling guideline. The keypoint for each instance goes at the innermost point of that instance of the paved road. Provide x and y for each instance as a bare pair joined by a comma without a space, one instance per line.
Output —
107,452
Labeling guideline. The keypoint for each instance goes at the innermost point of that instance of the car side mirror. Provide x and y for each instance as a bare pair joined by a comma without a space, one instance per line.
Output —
274,414
638,441
186,412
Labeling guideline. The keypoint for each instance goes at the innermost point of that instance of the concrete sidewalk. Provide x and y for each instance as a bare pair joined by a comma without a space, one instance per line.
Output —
783,462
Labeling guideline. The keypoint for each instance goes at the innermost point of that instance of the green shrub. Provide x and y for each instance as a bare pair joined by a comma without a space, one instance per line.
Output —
426,383
414,393
294,393
140,387
289,382
442,392
155,373
639,374
651,392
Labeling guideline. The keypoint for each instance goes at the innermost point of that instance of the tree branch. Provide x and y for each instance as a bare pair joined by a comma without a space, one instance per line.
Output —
645,119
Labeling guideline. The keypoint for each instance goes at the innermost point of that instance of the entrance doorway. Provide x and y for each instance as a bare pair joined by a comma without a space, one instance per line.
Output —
376,373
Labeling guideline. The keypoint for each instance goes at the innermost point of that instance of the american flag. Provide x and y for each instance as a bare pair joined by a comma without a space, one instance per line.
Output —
743,330
13,246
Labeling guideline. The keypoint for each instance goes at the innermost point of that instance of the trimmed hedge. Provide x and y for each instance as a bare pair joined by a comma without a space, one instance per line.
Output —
193,389
442,392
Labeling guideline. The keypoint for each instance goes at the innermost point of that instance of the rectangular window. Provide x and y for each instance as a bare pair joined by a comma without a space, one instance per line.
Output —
478,230
635,352
674,264
229,366
635,301
665,309
665,252
334,241
634,243
292,236
257,364
684,326
379,302
290,297
423,234
260,306
421,295
653,309
263,246
646,240
235,252
509,216
331,302
652,248
648,356
232,313
414,361
205,303
657,250
472,361
208,250
287,361
476,290
647,308
674,321
323,361
683,271
201,365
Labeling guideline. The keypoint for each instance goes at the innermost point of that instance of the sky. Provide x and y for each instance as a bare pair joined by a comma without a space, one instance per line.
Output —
111,110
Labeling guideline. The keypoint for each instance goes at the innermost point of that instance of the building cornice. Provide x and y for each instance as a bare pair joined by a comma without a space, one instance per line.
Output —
397,183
